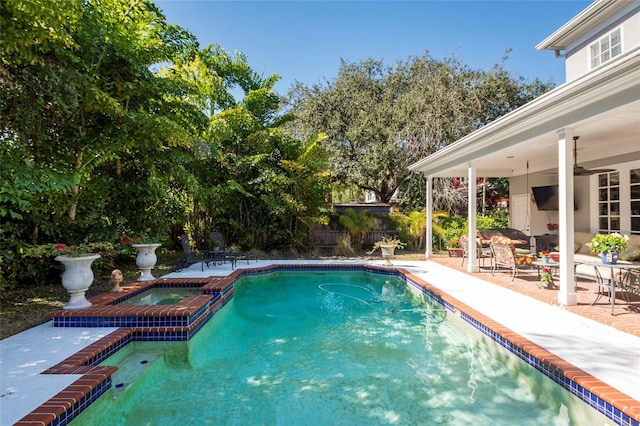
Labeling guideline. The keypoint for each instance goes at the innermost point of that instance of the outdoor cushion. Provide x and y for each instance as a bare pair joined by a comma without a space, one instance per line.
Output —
631,254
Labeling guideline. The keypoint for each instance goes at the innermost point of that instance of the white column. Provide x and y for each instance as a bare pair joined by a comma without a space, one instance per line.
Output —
567,293
428,246
472,197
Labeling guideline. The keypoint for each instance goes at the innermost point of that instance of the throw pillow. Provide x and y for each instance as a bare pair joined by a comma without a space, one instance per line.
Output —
631,254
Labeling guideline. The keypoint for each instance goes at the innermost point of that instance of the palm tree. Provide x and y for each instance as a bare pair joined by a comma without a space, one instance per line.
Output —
414,224
358,223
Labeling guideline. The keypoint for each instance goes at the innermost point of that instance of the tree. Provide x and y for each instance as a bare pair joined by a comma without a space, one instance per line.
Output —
358,223
80,97
380,119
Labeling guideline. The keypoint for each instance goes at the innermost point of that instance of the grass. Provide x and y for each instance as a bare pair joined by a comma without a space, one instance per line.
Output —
28,306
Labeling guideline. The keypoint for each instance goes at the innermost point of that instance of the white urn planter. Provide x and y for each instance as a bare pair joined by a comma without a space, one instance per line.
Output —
77,278
388,251
146,260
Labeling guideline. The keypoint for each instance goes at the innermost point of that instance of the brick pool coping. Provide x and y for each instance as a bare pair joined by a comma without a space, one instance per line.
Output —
96,380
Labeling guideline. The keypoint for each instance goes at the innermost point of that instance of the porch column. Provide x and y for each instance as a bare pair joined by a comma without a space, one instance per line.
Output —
567,294
428,245
472,266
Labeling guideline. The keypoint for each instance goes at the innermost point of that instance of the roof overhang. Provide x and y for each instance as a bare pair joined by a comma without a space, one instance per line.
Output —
583,24
602,107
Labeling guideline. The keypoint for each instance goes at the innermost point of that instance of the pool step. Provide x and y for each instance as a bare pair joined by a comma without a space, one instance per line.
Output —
130,368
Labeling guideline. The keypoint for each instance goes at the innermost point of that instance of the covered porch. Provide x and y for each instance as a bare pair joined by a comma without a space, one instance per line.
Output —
625,317
534,146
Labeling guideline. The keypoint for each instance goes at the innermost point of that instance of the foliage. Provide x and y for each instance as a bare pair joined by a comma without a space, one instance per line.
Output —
387,242
35,264
114,123
344,247
546,276
413,226
497,218
380,119
453,227
543,254
602,243
358,223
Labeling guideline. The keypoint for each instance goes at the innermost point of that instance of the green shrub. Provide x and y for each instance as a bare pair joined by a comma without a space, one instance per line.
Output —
36,264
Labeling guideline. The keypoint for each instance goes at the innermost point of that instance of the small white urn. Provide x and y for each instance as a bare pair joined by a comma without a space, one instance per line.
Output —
146,260
387,251
77,278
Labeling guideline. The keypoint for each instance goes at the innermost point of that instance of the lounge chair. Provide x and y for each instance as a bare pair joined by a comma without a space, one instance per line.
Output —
506,255
219,250
189,257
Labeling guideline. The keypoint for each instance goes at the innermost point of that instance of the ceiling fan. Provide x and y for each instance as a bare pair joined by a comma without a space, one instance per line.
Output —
581,171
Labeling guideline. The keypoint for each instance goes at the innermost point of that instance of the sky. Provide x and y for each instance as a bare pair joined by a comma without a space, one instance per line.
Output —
305,41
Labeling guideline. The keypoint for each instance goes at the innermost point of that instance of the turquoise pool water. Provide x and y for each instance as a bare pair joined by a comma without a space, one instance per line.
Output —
331,348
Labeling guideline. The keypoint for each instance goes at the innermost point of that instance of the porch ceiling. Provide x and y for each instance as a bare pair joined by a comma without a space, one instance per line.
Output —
602,108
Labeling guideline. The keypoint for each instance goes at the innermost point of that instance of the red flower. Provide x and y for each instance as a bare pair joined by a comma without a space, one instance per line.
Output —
60,247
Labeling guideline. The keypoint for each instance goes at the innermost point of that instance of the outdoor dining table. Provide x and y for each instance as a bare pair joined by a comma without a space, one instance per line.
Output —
622,267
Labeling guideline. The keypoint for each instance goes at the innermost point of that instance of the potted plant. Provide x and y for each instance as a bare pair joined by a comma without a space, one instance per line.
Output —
608,246
387,246
552,228
78,275
453,247
545,256
546,278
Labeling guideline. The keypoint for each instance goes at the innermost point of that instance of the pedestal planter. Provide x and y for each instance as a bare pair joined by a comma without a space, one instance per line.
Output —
388,251
146,260
77,278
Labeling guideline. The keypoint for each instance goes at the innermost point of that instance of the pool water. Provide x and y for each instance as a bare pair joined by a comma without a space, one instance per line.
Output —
162,296
335,348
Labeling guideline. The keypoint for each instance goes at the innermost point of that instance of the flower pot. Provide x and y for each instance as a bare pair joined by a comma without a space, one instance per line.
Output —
387,251
77,278
455,252
146,260
609,257
546,260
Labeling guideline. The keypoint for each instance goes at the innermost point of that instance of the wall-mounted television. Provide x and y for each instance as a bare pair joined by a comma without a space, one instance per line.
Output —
546,197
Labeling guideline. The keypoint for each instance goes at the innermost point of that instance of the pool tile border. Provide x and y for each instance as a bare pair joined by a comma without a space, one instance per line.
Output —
96,380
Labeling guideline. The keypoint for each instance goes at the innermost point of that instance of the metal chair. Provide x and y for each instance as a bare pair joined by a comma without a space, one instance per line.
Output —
481,252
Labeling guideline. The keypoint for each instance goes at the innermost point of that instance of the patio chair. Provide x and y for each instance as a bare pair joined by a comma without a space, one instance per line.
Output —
190,258
481,252
219,250
506,255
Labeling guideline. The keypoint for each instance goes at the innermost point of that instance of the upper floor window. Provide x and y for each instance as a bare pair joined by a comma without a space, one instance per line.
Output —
605,49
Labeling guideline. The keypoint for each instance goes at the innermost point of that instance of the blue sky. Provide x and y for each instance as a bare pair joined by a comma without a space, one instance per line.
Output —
305,40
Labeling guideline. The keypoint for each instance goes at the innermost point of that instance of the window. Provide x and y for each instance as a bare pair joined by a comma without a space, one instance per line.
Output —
634,200
605,49
609,202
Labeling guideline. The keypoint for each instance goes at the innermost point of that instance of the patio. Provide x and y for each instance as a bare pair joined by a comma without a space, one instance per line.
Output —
526,283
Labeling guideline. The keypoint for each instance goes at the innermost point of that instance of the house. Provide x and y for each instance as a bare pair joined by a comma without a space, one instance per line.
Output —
581,139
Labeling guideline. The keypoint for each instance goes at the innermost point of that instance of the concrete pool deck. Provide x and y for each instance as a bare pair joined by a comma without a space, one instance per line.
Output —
609,355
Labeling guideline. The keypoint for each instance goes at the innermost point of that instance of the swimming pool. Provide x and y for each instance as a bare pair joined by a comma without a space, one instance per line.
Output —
332,347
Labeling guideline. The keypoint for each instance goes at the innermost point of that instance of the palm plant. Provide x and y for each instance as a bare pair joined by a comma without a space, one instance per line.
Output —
358,223
413,225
